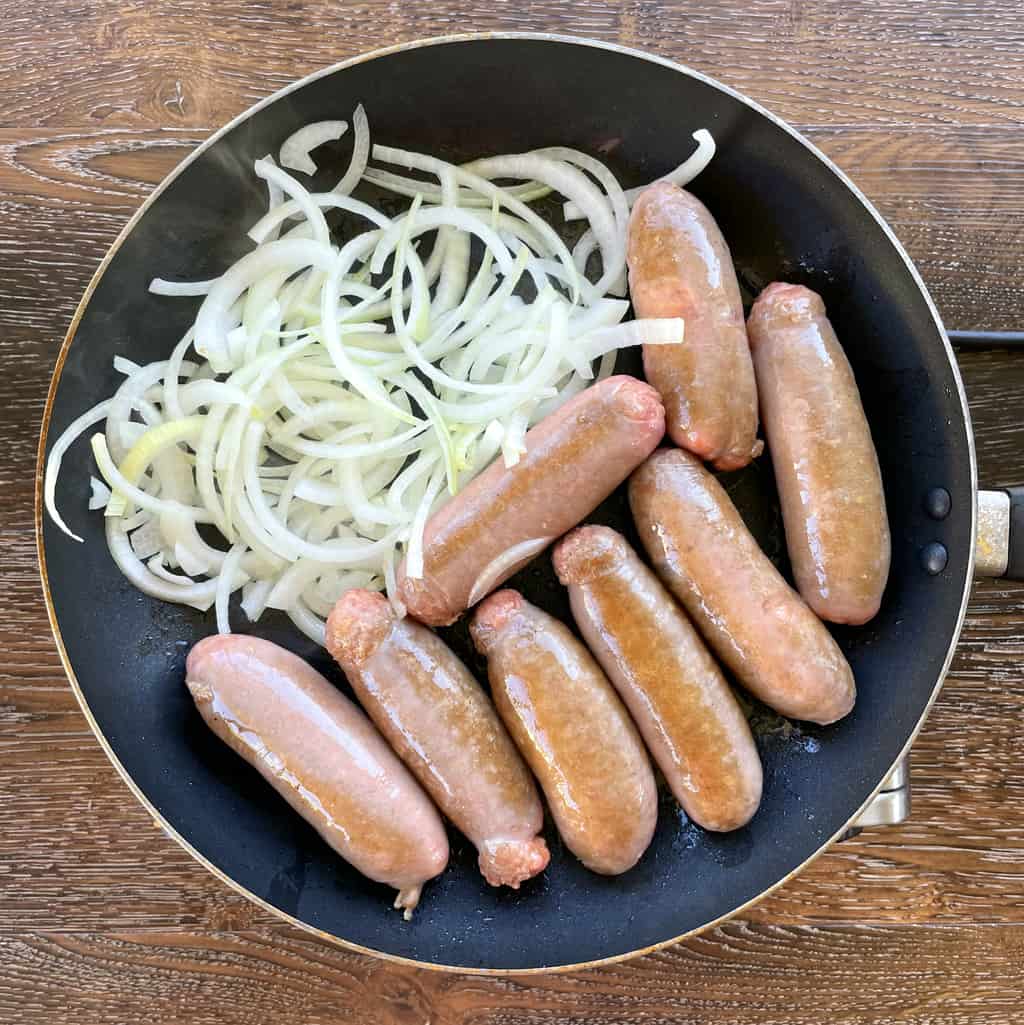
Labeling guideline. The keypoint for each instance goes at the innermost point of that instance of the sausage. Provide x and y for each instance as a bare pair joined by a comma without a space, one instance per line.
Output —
574,459
826,467
680,266
440,723
756,623
685,710
323,756
565,717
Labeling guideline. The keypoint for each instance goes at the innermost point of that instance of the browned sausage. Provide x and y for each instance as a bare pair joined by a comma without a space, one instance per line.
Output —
825,462
758,625
565,717
574,459
323,756
671,685
441,724
679,266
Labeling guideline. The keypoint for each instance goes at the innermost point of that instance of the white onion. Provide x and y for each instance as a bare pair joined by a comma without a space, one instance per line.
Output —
681,176
158,286
272,219
228,580
570,182
360,153
328,411
296,148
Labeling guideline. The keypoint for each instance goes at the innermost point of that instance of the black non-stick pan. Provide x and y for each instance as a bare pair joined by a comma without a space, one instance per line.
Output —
786,212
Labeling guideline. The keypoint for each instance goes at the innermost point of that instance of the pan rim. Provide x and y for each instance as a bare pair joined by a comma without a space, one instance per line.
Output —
129,227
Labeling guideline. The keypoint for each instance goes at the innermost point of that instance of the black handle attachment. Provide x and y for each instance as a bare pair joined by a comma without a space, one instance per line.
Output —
1015,542
987,339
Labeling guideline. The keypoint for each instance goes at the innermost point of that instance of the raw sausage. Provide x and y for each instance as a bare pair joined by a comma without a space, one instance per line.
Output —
323,756
574,459
826,467
573,731
680,266
441,724
685,710
758,625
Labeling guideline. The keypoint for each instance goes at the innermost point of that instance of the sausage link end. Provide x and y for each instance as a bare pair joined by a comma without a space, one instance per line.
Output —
201,691
426,601
793,304
511,862
358,623
492,616
639,402
587,553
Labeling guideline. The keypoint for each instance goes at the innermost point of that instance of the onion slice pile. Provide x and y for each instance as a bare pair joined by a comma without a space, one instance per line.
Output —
334,391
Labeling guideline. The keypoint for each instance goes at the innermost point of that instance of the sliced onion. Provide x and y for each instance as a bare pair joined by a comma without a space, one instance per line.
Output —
502,567
290,187
414,558
431,193
681,176
309,623
229,580
100,494
570,182
158,286
296,148
285,255
53,461
275,197
145,450
199,595
272,219
405,158
254,598
327,410
360,153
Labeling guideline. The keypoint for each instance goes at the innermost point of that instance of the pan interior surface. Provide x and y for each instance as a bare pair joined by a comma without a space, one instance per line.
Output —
786,215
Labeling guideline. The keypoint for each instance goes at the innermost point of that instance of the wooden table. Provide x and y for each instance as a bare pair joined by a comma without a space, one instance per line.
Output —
103,919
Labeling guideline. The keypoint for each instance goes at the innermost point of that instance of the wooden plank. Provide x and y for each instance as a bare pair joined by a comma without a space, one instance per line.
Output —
198,62
742,974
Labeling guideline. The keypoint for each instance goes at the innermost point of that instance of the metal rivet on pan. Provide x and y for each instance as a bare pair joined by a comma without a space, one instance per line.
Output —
937,503
934,558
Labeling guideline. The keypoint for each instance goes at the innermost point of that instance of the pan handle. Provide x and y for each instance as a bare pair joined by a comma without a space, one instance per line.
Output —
999,546
890,806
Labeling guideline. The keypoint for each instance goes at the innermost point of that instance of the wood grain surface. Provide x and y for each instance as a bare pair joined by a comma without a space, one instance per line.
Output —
105,920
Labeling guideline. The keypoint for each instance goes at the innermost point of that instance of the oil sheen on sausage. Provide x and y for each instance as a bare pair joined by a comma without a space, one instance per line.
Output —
680,266
574,459
439,721
684,708
571,727
826,467
323,756
755,622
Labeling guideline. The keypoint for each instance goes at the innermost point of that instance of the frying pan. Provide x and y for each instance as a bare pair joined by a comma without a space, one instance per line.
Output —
787,212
